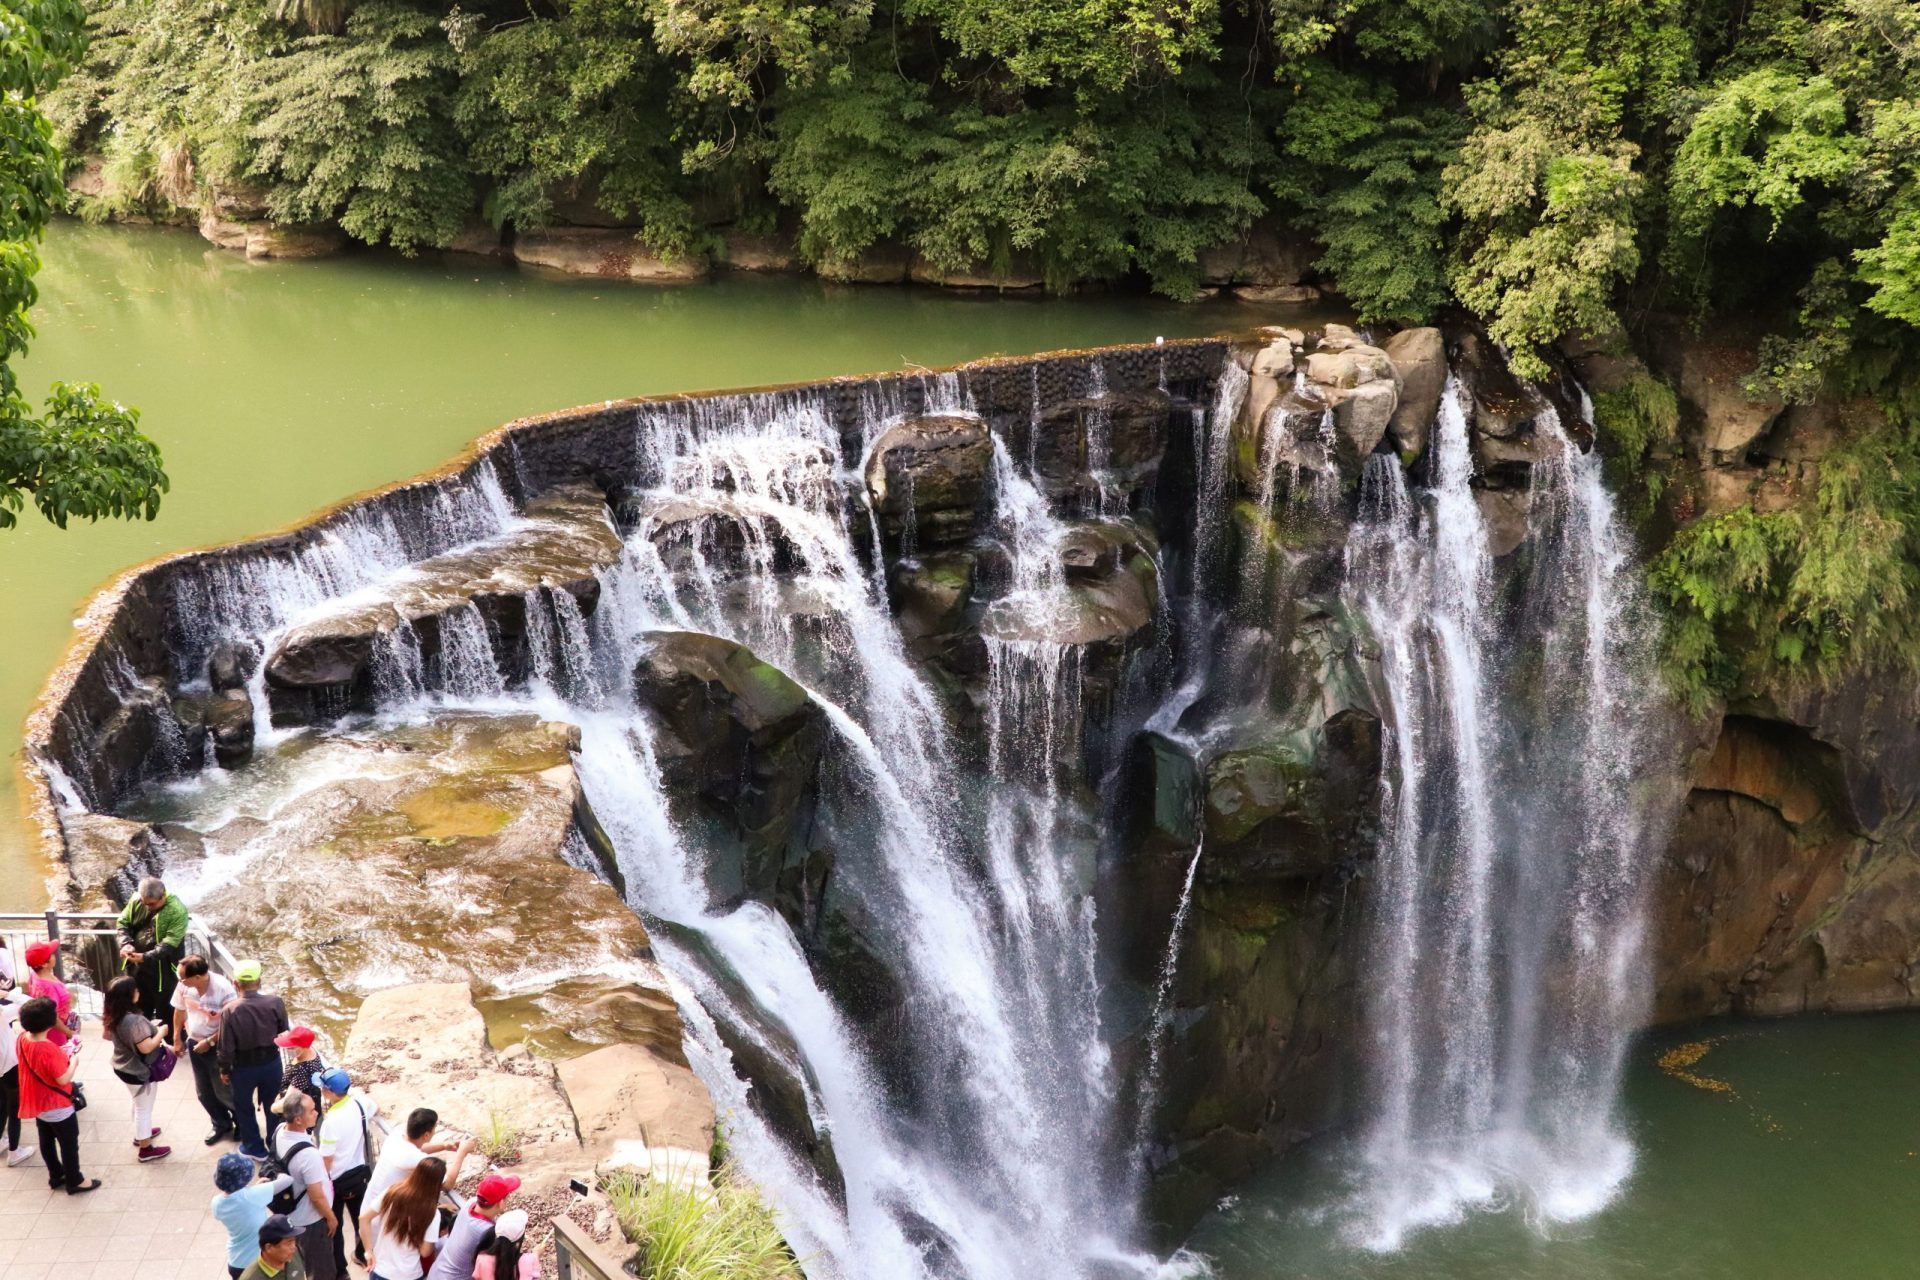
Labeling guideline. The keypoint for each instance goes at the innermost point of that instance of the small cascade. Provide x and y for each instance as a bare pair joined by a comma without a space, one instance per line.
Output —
468,669
399,669
1160,1021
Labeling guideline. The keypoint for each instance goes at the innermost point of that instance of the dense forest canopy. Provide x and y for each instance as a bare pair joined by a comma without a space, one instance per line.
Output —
1596,168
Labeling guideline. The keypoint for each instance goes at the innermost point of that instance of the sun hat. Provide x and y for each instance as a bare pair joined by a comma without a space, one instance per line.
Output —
511,1225
336,1082
234,1172
39,953
247,971
495,1187
295,1038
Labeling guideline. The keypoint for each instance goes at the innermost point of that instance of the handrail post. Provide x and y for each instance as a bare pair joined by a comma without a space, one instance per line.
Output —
53,936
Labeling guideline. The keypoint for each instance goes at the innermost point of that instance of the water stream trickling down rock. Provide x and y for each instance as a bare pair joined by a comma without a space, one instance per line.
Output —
905,707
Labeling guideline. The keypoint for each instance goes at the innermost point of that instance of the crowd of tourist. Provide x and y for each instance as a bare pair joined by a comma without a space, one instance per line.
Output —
307,1166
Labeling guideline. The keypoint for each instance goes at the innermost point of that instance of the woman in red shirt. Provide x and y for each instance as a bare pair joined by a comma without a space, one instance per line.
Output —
46,1097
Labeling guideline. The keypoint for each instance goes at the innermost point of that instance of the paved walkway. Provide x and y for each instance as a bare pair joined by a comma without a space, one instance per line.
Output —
146,1222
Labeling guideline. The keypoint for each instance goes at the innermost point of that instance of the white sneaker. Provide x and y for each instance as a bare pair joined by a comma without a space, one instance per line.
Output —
20,1157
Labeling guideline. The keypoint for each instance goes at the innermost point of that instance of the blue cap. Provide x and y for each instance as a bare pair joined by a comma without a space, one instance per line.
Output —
233,1172
336,1081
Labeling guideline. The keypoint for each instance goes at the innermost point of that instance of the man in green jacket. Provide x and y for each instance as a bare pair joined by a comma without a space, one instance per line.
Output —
153,937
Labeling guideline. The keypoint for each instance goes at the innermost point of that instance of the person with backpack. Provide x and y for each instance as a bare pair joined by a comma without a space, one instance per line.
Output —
140,1060
241,1206
503,1255
405,1225
249,1062
50,1098
312,1212
345,1146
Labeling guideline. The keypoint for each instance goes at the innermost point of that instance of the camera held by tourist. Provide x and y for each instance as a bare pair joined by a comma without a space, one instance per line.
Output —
153,935
141,1060
50,1097
295,1148
197,1003
345,1145
278,1257
473,1227
241,1205
248,1058
404,1224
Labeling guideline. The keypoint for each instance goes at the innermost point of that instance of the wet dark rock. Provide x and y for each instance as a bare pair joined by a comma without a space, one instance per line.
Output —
232,663
931,594
930,472
740,742
1122,434
229,721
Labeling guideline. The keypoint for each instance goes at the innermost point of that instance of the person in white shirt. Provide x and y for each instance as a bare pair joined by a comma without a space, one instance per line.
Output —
10,1074
345,1144
313,1216
197,1003
402,1152
404,1223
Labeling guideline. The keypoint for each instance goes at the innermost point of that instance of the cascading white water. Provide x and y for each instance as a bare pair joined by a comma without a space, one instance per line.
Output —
1501,966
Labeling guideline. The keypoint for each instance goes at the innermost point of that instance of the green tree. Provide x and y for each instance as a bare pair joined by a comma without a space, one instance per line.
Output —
84,457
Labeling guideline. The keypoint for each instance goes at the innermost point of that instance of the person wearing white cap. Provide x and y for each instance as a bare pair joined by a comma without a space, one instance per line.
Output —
503,1255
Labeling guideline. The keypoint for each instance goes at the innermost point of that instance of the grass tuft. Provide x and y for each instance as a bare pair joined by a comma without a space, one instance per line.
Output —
720,1232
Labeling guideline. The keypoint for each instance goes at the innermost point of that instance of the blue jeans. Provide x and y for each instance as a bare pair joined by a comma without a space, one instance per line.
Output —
261,1079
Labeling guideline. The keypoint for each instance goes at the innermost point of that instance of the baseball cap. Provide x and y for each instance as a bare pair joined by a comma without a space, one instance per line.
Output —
496,1187
336,1081
40,952
512,1224
295,1038
277,1228
247,971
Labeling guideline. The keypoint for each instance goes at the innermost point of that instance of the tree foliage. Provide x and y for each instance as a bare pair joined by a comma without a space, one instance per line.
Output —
83,458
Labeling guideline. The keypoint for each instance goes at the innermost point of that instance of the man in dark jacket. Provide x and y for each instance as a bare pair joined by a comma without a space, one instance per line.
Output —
248,1058
153,937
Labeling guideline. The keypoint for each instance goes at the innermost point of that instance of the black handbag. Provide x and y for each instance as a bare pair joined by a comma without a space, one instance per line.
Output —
77,1096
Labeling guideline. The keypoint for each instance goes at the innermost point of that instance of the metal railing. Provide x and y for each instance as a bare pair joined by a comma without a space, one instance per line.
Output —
581,1257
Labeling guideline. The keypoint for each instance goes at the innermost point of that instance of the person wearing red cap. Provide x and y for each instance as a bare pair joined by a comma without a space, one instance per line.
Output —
41,984
304,1062
471,1228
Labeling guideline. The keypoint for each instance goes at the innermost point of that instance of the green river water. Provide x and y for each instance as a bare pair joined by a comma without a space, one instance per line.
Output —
276,389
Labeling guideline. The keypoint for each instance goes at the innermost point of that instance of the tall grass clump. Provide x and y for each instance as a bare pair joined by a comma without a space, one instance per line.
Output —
724,1231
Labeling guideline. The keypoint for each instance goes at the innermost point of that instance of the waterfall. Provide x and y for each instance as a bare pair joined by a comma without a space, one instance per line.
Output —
468,668
1501,962
1160,1022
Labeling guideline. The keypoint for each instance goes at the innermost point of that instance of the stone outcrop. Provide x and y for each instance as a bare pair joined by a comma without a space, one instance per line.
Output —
1014,277
636,1110
325,664
431,854
611,253
929,474
740,744
1264,258
1419,359
1112,443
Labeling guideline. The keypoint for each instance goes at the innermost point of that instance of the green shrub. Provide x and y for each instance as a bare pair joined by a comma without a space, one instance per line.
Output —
720,1232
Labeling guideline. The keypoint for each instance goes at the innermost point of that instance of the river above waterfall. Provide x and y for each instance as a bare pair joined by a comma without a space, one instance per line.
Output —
276,388
1786,1149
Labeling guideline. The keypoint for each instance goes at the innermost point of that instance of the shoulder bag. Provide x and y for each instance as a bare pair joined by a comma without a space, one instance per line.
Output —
77,1095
